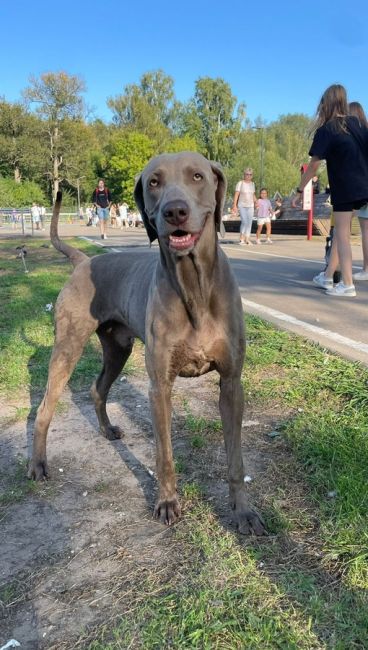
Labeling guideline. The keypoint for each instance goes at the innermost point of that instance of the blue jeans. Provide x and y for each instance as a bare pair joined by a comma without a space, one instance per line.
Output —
103,213
246,218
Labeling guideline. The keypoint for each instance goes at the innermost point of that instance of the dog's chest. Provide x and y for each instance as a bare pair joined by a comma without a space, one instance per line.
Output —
198,354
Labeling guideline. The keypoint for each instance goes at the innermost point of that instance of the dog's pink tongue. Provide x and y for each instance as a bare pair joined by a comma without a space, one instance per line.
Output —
181,242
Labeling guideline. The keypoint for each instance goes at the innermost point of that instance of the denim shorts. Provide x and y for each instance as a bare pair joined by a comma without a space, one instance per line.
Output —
349,207
103,213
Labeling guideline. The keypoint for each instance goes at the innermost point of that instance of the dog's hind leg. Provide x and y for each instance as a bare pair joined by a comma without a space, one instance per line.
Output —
117,344
67,351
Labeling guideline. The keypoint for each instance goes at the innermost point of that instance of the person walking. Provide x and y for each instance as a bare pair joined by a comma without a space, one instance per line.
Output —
264,214
101,198
42,216
123,212
245,200
35,215
113,211
342,141
332,258
355,108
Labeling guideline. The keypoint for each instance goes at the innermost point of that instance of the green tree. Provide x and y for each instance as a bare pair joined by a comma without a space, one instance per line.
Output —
211,119
19,145
183,143
131,152
293,137
148,107
19,195
59,102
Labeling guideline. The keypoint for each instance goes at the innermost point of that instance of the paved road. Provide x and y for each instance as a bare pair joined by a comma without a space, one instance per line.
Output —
275,283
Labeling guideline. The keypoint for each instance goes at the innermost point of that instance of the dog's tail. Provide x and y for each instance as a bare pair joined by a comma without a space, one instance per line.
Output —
75,256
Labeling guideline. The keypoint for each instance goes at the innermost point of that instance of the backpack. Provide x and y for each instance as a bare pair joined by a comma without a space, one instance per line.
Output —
106,191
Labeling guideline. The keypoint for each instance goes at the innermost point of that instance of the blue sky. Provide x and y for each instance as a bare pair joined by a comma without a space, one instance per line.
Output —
278,57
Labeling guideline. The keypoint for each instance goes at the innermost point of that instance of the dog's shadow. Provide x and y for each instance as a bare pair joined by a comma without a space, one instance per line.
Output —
38,373
126,394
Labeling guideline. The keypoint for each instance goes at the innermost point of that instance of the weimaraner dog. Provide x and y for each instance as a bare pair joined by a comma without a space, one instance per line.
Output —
183,303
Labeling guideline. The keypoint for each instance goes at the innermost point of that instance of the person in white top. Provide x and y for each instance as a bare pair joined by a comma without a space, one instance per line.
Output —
35,214
123,213
245,200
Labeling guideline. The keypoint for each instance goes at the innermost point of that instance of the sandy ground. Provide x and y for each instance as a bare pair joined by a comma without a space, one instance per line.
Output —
70,548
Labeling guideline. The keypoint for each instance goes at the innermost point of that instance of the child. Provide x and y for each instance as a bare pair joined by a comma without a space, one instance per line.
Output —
264,215
278,209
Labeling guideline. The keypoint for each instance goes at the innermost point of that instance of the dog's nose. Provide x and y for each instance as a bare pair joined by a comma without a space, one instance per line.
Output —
176,212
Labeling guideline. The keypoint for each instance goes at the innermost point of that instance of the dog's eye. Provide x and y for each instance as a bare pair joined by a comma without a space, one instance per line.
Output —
197,176
153,182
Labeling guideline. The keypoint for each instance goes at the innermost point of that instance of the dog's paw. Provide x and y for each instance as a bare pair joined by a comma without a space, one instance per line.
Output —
167,511
250,522
112,432
38,470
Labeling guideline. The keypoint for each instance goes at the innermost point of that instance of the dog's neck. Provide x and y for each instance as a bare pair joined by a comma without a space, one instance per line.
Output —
191,276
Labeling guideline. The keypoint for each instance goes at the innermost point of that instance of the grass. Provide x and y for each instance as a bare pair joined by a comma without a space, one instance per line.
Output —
328,432
26,329
221,597
15,487
306,585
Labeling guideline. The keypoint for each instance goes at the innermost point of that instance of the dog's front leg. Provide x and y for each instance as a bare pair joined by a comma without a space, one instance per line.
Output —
167,508
231,409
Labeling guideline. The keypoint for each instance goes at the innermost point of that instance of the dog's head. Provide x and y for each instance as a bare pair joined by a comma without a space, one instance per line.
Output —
176,195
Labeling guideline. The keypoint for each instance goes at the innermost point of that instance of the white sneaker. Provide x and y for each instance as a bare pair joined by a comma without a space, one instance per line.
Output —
242,243
249,243
360,275
268,241
258,241
320,280
341,290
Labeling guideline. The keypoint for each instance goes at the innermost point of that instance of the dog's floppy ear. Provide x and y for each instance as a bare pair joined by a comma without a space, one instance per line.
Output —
220,196
138,197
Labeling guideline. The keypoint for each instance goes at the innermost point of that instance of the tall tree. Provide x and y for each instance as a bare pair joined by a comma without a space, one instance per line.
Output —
131,152
293,137
59,102
18,147
211,118
148,107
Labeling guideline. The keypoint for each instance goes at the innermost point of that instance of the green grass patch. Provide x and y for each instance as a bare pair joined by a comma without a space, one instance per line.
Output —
26,328
225,599
199,424
328,431
15,487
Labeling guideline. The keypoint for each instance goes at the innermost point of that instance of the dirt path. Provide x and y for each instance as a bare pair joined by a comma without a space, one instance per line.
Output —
72,549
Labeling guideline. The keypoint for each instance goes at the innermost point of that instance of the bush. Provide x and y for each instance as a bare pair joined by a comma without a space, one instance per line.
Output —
19,195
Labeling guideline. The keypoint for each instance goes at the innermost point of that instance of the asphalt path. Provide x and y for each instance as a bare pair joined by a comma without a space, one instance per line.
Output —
275,282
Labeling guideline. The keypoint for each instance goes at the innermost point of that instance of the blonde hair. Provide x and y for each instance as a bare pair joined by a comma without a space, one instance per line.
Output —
248,170
333,103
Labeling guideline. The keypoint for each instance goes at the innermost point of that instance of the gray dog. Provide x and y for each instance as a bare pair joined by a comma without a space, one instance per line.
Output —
184,304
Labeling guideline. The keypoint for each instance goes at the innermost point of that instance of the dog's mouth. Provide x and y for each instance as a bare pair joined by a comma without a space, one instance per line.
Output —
180,240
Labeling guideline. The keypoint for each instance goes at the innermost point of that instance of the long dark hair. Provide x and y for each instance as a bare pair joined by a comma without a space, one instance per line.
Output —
333,103
356,109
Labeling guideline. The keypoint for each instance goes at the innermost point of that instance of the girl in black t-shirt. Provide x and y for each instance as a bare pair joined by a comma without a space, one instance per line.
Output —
342,141
355,108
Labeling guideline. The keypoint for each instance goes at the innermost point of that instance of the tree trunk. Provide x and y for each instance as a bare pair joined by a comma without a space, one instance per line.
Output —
17,174
55,163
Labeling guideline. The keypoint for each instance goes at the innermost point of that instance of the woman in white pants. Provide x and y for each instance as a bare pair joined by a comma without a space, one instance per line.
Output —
245,200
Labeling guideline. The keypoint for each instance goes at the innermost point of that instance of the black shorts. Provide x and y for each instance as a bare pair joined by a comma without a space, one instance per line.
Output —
349,207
